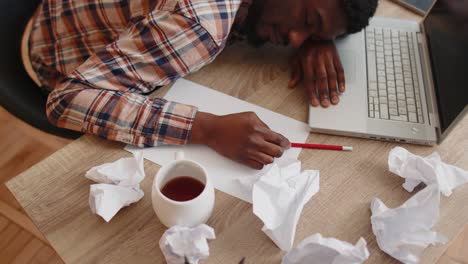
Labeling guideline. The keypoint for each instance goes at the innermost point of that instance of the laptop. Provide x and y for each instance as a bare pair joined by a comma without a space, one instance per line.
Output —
405,81
418,6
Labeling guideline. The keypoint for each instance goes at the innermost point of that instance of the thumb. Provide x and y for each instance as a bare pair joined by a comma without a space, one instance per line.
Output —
296,73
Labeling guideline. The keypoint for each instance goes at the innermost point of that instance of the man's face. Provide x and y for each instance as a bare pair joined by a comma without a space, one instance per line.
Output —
294,21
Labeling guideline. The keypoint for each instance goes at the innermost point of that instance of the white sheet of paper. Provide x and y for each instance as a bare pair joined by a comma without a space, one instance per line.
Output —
430,170
222,170
119,185
180,244
279,195
318,249
404,232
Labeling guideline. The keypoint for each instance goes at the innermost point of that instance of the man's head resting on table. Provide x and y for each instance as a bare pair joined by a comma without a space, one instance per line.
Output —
310,26
294,21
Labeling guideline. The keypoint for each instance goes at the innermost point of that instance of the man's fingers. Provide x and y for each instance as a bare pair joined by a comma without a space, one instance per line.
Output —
322,81
272,150
263,123
271,137
309,80
295,78
296,74
253,164
332,81
262,158
340,73
277,139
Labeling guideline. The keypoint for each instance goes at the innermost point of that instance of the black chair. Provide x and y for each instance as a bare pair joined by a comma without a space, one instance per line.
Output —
19,95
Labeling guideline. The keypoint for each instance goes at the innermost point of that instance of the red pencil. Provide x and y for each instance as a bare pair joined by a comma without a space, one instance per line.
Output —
321,146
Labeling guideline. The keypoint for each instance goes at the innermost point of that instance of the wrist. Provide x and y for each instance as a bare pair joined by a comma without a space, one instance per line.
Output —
202,127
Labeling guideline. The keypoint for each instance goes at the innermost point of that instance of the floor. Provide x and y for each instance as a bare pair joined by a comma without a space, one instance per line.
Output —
22,146
20,242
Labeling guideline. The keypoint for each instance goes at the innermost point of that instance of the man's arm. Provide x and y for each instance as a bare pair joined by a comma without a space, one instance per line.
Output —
104,95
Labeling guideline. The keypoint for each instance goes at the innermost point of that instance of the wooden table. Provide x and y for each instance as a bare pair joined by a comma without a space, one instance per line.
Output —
55,192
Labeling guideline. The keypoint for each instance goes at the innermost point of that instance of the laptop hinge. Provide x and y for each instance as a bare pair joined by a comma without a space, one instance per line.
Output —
428,80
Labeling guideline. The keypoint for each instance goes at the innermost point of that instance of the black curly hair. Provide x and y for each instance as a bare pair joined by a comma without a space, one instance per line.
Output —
358,13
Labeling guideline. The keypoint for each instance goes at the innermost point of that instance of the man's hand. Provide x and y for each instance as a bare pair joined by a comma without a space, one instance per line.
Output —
242,137
319,65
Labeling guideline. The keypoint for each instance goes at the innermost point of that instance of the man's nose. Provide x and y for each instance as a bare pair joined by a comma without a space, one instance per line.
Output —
297,37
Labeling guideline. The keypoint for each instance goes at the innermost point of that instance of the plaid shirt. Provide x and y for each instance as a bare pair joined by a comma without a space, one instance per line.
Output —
98,59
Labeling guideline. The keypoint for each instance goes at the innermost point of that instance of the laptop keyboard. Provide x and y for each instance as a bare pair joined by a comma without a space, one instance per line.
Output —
393,87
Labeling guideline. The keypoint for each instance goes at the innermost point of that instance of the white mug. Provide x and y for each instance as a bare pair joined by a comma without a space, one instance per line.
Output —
188,213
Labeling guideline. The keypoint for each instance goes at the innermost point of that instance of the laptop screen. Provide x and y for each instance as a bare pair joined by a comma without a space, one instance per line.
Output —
447,31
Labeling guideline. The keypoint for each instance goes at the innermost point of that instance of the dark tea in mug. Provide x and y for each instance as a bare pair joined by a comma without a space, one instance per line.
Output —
182,188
